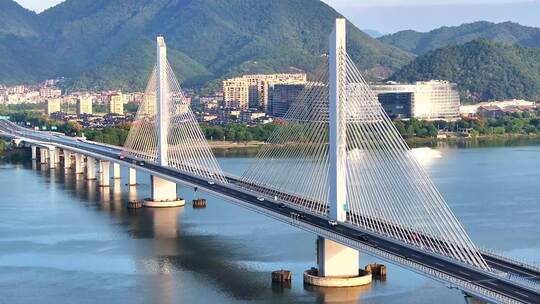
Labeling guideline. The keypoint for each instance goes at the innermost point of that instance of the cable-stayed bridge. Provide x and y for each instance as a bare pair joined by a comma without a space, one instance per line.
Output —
337,167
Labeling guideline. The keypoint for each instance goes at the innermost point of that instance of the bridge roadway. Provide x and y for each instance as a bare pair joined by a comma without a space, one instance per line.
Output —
486,280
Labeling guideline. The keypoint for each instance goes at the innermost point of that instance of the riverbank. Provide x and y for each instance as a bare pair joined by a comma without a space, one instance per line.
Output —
232,144
481,140
10,154
227,148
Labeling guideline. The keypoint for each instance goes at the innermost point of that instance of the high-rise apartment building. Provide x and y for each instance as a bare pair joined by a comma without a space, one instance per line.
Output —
426,100
116,103
253,91
53,105
84,105
283,96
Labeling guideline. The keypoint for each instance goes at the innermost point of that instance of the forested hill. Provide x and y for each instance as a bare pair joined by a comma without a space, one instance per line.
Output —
481,68
110,43
506,32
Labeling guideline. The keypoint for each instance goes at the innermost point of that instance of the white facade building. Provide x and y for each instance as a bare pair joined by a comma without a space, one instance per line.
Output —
428,100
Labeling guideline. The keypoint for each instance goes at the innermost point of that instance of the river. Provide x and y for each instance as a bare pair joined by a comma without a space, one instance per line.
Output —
64,240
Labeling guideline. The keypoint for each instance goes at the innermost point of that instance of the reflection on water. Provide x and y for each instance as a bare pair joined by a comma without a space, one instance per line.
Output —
63,238
338,295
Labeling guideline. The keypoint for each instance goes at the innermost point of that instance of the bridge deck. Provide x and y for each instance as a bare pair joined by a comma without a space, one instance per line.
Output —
488,281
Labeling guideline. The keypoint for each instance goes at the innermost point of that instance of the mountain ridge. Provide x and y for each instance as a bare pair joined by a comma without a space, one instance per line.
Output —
210,39
504,32
483,70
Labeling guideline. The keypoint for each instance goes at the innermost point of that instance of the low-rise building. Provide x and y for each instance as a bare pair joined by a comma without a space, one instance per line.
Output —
426,100
490,111
471,110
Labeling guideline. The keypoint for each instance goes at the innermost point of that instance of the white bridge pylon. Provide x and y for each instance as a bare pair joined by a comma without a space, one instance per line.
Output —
339,155
165,131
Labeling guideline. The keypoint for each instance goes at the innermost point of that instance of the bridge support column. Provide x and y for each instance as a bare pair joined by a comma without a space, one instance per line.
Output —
104,177
90,168
338,266
52,158
57,153
43,155
132,177
79,159
336,260
67,159
116,171
163,194
34,152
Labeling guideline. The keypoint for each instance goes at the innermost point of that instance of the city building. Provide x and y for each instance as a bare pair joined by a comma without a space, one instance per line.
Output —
84,105
283,95
236,93
426,100
150,104
253,91
49,92
251,115
53,105
471,110
116,103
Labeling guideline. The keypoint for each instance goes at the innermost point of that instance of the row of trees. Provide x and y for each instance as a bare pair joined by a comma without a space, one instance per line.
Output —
110,135
238,132
516,123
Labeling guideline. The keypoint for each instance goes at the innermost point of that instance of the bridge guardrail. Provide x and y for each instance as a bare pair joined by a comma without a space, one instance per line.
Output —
474,289
534,266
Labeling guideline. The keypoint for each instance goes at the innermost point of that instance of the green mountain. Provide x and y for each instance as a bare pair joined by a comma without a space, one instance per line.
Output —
481,68
16,20
110,43
507,33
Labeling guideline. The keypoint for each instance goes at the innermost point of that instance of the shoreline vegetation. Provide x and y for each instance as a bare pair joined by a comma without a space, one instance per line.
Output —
413,142
510,127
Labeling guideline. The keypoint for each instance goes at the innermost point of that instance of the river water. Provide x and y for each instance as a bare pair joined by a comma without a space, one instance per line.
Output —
64,240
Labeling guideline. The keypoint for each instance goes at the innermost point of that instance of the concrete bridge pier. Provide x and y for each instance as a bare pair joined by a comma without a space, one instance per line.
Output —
57,153
34,152
104,179
90,168
116,171
163,194
43,155
79,160
52,158
67,159
338,266
132,177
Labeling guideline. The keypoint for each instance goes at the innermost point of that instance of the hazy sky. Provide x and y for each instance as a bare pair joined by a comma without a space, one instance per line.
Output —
389,16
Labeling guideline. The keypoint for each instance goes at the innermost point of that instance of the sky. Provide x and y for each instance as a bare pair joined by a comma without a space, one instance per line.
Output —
389,16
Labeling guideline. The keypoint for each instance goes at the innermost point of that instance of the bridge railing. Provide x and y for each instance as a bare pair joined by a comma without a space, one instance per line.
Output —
499,255
467,286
